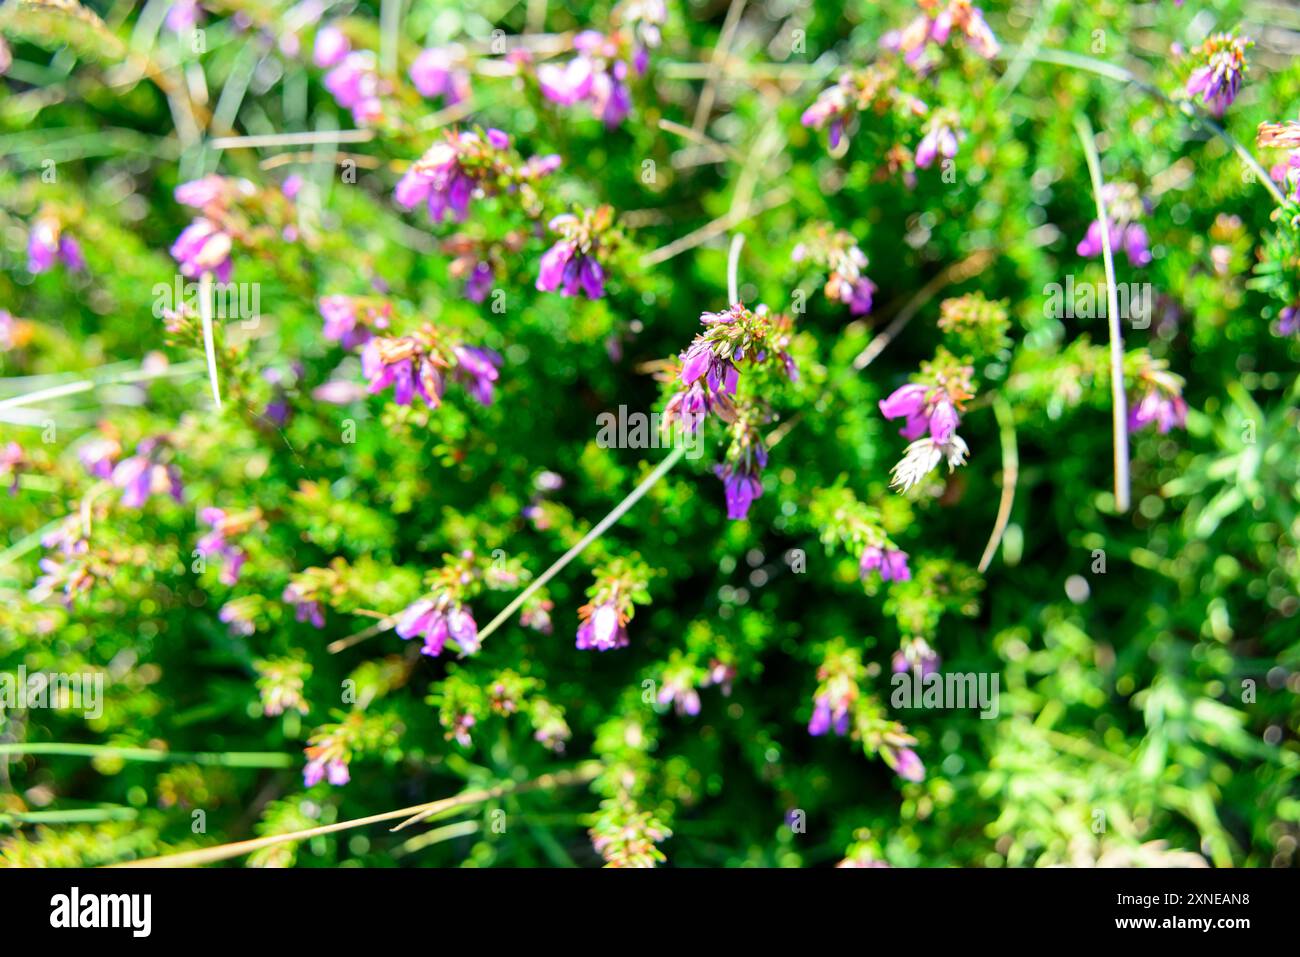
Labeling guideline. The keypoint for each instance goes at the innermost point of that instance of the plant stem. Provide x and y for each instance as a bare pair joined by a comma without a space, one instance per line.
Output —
225,759
1119,405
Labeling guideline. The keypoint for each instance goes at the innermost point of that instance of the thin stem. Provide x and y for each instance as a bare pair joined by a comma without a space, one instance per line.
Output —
705,104
87,385
304,138
222,852
209,345
1190,110
720,225
226,759
618,512
1119,405
733,268
1010,474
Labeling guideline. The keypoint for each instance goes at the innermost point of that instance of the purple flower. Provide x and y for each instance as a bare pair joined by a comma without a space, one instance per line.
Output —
940,140
567,270
335,770
355,86
918,655
829,713
889,563
479,283
99,455
1157,407
203,247
437,620
1219,80
603,627
202,192
215,544
403,364
330,48
678,692
1288,320
439,181
237,615
48,244
912,403
906,764
596,76
742,484
304,608
182,15
341,325
142,476
434,74
1131,237
477,371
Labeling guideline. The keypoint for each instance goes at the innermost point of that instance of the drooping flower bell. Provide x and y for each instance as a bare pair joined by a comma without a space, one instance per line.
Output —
438,619
572,264
1218,81
1125,209
49,243
439,72
145,474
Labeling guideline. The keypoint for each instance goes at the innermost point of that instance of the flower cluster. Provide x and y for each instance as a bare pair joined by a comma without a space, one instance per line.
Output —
218,543
49,243
599,74
1125,209
305,595
437,618
349,320
1218,80
1159,393
837,252
205,245
328,756
870,89
837,691
931,410
619,587
572,264
627,838
1284,136
353,78
420,365
147,473
935,24
678,688
280,684
440,72
940,139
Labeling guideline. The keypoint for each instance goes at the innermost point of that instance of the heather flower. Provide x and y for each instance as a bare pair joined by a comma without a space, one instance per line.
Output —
597,76
203,247
721,674
741,482
182,15
905,763
571,265
1124,209
1288,320
280,684
460,728
936,24
446,177
1218,81
12,463
330,48
839,254
328,756
832,707
1160,409
349,320
537,615
479,282
355,85
889,563
551,731
217,543
142,475
477,370
1160,400
48,244
237,615
870,89
435,73
940,140
603,626
408,366
437,619
678,690
305,605
915,655
99,454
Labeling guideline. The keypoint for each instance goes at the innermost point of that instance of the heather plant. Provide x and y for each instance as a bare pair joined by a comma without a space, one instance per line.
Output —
311,312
